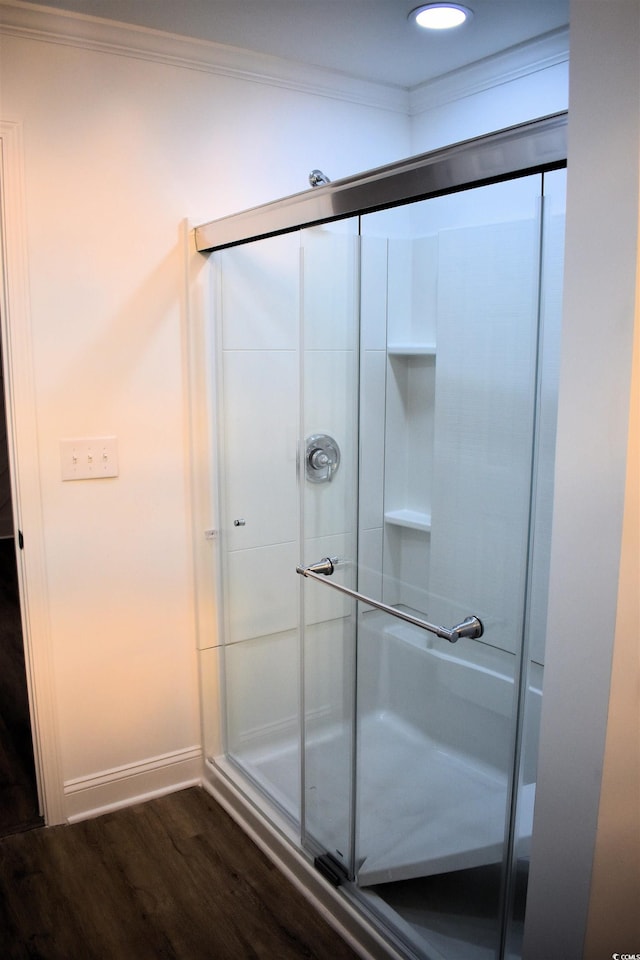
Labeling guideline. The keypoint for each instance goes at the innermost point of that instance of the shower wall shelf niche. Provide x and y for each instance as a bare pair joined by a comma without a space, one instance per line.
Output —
409,429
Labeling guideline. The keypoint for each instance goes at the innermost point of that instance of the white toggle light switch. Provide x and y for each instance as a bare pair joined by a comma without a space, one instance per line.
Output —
89,458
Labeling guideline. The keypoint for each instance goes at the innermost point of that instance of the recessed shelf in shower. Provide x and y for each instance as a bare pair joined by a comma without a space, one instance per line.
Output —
411,349
413,519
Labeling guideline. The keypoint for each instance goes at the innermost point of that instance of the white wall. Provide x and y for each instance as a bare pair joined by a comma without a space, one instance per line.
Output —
613,905
593,610
519,85
118,150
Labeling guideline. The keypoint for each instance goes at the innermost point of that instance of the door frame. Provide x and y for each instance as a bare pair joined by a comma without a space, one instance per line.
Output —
22,437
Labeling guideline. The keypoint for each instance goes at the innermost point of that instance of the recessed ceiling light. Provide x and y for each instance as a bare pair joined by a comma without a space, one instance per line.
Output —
440,16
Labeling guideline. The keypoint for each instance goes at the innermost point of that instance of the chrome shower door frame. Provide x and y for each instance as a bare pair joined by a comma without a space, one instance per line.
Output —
531,147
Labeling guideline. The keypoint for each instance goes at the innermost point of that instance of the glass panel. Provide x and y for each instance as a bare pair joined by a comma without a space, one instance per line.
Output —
449,359
258,288
433,755
328,477
552,265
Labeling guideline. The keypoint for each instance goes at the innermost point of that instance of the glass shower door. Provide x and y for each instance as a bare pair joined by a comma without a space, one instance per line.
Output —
287,403
386,426
421,737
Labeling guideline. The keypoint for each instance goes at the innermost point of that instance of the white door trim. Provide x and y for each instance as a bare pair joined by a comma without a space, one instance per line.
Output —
25,474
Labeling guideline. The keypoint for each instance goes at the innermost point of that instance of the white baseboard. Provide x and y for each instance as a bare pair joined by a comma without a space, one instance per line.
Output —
99,793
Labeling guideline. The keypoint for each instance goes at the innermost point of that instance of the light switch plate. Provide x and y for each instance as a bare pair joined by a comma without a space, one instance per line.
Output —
89,458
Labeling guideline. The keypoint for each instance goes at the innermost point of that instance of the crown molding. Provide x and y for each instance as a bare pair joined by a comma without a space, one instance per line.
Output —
37,22
519,61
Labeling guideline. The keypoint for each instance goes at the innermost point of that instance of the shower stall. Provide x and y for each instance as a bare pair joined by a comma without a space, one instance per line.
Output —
384,356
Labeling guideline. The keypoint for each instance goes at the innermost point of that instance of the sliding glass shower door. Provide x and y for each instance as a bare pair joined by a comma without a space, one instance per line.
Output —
416,676
462,284
387,412
287,311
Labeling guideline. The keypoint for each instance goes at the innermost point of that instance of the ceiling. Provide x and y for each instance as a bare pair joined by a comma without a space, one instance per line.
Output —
369,39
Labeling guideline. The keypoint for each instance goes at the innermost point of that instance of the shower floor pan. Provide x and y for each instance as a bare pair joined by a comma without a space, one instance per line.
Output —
421,809
425,810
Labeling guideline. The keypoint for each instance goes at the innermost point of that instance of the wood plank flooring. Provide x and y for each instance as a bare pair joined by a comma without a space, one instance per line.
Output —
171,879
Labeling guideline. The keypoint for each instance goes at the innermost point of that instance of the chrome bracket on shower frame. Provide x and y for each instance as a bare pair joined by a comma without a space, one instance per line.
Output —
471,628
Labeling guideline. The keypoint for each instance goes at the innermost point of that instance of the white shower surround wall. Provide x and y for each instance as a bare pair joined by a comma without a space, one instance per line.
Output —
429,355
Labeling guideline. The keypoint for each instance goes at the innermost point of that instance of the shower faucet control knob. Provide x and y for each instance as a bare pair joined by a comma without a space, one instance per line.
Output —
322,458
319,460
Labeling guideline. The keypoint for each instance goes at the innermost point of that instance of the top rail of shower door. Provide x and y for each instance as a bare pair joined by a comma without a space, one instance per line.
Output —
531,147
471,628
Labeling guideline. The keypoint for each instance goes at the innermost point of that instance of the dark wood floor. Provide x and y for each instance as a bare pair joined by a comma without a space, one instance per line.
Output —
18,790
174,878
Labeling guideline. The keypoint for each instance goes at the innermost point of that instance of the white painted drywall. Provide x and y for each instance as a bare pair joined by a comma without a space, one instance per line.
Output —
118,151
593,450
473,105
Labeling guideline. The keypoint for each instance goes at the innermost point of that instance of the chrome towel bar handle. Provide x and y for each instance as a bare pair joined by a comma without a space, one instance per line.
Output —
470,628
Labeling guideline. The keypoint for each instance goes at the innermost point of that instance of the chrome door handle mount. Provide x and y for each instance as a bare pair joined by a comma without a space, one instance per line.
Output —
471,628
326,566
